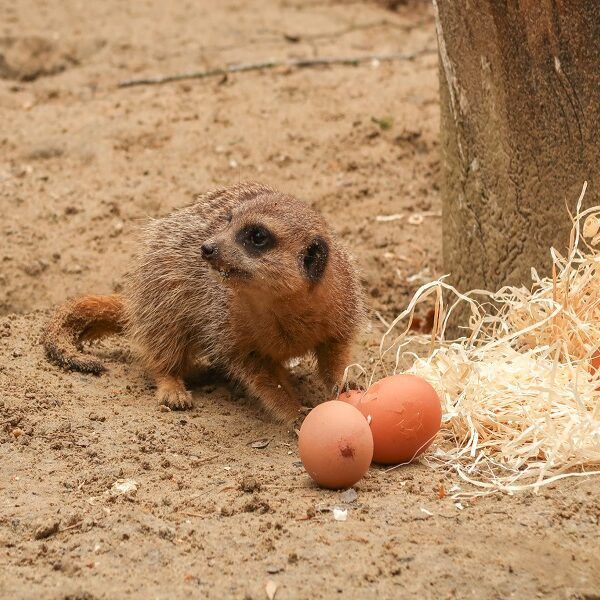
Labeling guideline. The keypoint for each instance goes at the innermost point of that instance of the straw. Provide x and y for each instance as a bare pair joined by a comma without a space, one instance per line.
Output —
520,396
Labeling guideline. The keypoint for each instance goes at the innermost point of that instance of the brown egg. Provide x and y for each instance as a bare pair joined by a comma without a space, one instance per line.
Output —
405,414
336,445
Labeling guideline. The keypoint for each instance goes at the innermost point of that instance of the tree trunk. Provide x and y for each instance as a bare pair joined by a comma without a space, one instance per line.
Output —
520,98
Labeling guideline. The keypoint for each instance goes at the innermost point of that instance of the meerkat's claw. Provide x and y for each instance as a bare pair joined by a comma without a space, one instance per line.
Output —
175,399
348,386
353,385
171,392
295,424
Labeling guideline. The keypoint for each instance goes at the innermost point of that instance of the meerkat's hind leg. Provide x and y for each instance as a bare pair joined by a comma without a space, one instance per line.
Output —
170,363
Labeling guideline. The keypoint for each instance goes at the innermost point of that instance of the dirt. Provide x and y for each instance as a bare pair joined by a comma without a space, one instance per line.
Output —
104,496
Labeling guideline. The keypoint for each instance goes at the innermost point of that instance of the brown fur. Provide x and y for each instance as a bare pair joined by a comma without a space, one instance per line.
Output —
246,313
77,321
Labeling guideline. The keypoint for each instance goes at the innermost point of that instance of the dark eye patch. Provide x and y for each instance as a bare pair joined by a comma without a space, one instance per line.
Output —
255,239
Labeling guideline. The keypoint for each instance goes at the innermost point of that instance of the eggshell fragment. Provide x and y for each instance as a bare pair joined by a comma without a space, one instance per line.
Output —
405,414
336,444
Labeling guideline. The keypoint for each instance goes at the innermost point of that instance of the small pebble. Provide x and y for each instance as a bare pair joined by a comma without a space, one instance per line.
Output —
250,484
117,229
349,495
340,514
272,569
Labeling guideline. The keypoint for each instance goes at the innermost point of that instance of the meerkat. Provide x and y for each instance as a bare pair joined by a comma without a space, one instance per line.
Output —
247,278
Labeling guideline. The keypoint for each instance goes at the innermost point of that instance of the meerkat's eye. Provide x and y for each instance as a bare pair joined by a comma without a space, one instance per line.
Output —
255,238
228,217
258,237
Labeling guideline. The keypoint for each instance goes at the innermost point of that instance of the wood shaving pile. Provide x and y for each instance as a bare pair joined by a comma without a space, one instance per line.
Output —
521,398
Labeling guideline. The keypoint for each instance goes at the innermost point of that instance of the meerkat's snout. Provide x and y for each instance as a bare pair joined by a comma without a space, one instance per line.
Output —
213,255
224,258
209,251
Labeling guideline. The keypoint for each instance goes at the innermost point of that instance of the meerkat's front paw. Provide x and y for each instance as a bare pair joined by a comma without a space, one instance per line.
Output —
287,414
295,424
175,399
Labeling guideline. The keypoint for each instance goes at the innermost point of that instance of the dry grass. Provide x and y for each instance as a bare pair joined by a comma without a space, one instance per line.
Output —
521,398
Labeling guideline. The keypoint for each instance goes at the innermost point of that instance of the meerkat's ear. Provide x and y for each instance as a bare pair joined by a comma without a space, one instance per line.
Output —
315,258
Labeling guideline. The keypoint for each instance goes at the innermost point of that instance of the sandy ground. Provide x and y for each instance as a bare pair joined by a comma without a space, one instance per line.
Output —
82,163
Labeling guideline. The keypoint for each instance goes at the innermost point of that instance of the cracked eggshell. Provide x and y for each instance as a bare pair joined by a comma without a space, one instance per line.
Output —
336,444
405,414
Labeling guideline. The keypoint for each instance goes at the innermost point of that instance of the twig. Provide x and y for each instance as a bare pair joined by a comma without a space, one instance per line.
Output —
301,63
74,526
211,488
351,29
203,461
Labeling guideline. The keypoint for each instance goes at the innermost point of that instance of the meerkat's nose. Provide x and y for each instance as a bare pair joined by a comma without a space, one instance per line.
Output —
209,250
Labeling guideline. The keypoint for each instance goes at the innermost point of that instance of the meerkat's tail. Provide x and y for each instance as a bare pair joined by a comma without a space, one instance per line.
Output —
83,319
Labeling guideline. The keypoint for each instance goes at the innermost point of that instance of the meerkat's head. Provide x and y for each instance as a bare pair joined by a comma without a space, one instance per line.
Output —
272,242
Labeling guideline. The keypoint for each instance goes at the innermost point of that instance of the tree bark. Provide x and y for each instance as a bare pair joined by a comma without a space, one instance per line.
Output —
520,101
